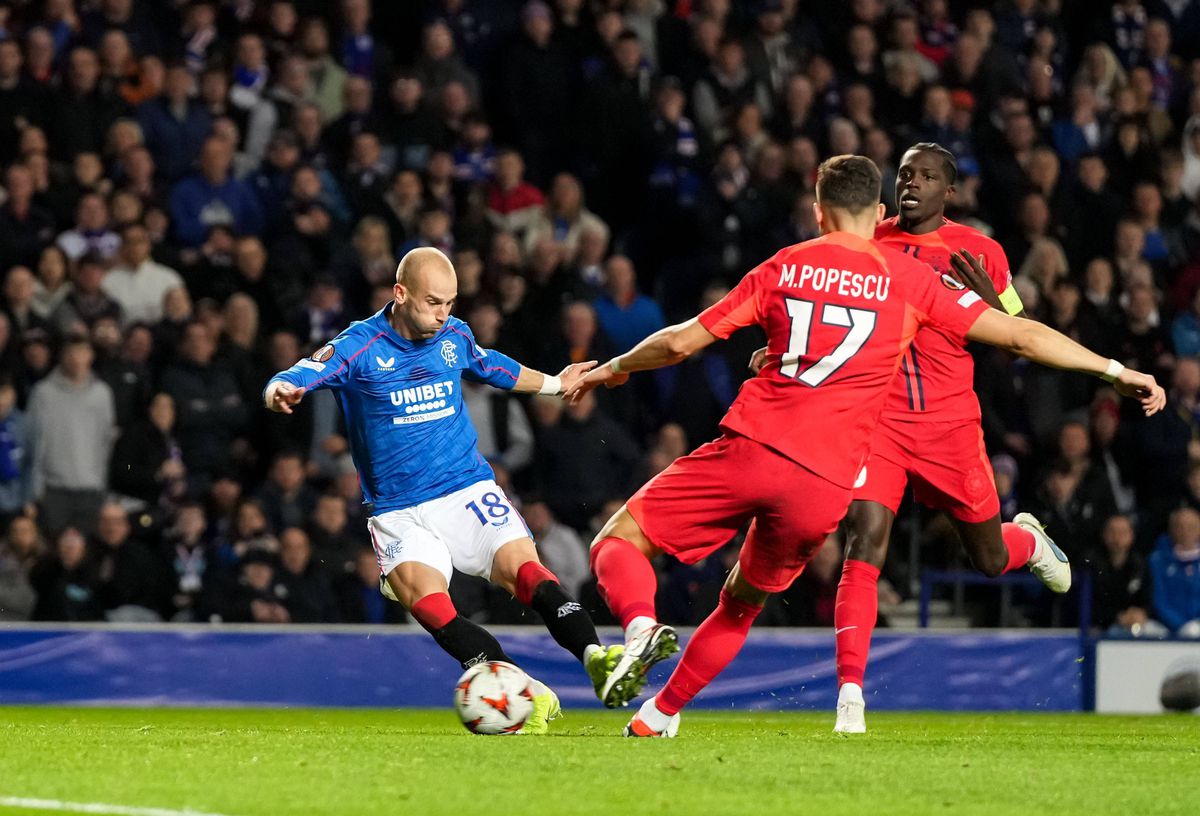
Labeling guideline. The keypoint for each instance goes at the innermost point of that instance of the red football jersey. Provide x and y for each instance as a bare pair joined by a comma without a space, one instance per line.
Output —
839,311
936,377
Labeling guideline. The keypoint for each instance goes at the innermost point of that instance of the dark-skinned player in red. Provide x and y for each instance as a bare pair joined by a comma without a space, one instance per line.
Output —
840,312
929,433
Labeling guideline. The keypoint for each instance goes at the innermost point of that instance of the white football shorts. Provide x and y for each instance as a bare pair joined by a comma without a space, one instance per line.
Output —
462,531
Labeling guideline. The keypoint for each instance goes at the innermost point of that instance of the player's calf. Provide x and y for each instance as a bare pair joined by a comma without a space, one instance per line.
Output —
465,641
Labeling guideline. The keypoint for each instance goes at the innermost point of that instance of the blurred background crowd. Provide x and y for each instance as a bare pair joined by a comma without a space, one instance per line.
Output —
197,193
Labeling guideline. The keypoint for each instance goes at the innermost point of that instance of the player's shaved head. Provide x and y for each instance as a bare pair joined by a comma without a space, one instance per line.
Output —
425,291
422,264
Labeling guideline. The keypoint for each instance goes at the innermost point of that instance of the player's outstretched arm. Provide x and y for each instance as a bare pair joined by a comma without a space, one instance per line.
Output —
280,396
1044,345
663,348
531,381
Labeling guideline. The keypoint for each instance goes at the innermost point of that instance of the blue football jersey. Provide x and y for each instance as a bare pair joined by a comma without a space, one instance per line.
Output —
410,436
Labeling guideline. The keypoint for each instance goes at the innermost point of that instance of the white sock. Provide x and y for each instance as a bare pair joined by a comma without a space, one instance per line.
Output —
651,716
588,651
850,693
638,625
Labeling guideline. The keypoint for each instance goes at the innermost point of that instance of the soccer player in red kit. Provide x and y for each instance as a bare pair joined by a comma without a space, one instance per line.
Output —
929,432
839,312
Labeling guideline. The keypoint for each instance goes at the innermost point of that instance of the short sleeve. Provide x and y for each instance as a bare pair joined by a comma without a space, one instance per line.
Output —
485,365
953,310
740,307
996,264
328,366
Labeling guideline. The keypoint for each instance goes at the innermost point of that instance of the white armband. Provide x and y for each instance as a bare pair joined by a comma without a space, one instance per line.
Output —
1112,372
551,385
615,365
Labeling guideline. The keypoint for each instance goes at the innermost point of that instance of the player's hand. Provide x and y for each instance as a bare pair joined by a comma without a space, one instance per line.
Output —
1143,388
970,272
603,375
282,396
573,373
757,360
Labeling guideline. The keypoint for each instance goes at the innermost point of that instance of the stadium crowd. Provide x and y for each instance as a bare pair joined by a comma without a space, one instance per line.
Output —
197,193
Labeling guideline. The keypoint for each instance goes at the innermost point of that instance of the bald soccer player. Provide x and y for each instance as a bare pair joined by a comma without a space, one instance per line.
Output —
433,504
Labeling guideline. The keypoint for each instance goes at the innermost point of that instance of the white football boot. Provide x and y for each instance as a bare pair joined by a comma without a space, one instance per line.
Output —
1049,563
851,710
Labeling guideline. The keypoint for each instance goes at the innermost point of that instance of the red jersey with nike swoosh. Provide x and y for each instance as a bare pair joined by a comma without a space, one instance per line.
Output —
936,378
839,312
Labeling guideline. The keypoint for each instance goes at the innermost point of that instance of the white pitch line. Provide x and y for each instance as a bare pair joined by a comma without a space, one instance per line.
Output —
94,807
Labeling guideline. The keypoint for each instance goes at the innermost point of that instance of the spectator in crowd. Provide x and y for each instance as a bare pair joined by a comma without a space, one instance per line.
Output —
286,497
1175,571
258,595
72,424
213,197
25,226
192,569
130,582
564,218
359,599
209,409
15,488
514,205
20,550
1122,582
175,124
66,582
334,546
137,282
309,597
91,232
583,458
147,462
625,316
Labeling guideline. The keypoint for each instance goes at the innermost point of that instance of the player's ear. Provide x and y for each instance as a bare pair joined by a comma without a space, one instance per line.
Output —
880,212
400,293
950,191
819,214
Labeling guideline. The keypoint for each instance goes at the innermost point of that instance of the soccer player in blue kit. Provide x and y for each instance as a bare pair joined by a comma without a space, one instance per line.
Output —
434,506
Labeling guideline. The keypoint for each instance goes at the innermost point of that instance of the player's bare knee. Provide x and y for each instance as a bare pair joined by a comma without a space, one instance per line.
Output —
623,525
868,528
508,562
412,581
737,586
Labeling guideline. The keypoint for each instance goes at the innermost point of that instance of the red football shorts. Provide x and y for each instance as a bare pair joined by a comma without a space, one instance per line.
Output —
698,504
945,461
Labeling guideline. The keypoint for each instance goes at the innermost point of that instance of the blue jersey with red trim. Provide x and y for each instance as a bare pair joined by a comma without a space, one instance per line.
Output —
410,436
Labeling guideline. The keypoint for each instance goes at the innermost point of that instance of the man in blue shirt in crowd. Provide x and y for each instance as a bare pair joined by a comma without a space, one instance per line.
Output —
434,506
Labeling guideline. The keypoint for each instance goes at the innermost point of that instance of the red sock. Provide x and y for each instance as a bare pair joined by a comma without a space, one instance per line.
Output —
529,576
854,615
1020,543
434,611
715,643
625,578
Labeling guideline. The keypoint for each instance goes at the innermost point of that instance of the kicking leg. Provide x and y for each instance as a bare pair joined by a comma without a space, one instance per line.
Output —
714,645
517,569
422,590
996,548
621,559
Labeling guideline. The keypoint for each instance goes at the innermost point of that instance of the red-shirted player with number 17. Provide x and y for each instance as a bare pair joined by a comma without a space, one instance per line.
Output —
839,312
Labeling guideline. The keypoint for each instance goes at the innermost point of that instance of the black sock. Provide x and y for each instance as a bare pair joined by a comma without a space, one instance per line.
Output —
469,643
569,623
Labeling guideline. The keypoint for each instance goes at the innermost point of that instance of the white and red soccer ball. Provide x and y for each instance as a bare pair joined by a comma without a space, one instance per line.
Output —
494,698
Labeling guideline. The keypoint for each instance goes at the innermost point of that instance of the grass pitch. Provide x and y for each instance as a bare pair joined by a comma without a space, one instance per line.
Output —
271,762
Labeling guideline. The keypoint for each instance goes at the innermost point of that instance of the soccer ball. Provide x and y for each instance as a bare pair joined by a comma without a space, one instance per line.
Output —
494,698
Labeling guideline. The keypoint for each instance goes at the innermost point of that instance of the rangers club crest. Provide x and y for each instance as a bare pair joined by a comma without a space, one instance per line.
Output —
448,353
